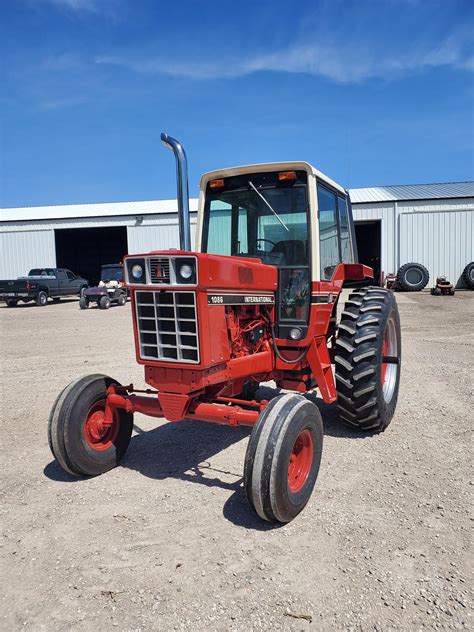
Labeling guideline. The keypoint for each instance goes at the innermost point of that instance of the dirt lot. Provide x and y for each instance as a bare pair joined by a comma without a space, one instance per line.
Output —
167,541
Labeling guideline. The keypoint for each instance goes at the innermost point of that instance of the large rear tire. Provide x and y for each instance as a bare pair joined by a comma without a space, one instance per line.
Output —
468,275
283,458
368,356
412,277
77,438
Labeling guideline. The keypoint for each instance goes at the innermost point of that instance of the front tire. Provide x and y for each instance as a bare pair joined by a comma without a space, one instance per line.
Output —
368,356
42,298
104,302
283,458
122,299
83,302
77,438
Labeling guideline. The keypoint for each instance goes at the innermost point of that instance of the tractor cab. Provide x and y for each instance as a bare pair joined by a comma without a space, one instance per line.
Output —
288,215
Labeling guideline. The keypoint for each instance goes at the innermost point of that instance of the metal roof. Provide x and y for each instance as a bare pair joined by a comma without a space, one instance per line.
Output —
68,211
396,192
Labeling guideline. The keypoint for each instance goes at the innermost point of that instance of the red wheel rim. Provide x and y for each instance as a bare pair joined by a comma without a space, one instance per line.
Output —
385,348
301,458
98,435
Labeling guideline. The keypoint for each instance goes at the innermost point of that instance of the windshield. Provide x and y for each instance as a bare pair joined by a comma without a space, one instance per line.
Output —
258,215
112,273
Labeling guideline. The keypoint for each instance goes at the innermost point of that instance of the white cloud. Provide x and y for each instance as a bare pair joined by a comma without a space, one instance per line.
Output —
344,64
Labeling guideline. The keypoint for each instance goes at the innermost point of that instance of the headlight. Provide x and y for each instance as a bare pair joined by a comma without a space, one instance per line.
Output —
137,271
296,333
185,271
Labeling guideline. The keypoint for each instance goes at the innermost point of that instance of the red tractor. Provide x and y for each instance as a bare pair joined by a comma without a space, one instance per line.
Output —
255,302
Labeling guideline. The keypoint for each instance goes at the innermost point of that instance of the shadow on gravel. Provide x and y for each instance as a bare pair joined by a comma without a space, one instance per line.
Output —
55,472
183,451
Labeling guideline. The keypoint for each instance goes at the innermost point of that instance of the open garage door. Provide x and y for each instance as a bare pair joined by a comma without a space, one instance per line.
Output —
368,237
85,250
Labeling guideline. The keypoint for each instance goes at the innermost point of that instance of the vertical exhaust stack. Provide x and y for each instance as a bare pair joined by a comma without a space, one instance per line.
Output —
183,191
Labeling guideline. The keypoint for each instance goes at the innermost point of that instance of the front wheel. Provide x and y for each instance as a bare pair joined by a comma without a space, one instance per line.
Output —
283,458
104,302
80,440
83,302
368,357
122,299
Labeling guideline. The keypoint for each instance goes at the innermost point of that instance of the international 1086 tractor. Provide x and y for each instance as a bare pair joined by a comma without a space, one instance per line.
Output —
255,302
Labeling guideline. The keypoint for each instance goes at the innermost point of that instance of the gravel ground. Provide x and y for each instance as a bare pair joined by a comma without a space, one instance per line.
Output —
167,541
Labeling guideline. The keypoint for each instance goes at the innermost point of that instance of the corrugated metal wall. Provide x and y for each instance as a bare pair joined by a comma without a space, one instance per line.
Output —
442,241
21,251
142,239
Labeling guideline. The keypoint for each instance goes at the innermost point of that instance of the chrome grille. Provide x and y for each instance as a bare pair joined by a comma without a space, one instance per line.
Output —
159,269
167,326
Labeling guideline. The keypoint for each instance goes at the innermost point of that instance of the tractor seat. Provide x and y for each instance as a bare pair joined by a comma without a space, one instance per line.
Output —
293,251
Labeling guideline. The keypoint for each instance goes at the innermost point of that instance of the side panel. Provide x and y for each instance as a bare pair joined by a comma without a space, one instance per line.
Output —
156,237
442,241
21,251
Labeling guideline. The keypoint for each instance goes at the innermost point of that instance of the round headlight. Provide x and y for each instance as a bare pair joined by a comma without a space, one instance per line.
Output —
295,333
185,271
137,271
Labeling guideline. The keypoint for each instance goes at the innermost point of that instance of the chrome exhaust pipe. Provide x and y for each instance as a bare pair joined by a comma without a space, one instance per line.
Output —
183,191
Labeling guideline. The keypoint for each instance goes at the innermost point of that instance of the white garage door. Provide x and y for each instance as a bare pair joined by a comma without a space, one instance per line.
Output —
20,251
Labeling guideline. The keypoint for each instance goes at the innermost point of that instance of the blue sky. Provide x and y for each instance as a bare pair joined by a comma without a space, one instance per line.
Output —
370,91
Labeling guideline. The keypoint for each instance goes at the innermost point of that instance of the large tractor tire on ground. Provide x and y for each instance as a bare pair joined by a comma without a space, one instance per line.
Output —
468,275
412,277
79,441
283,457
368,355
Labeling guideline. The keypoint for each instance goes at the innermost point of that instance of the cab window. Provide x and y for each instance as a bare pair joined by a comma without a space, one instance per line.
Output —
328,232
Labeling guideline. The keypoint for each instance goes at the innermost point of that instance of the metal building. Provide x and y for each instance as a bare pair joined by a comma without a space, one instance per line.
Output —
431,224
83,237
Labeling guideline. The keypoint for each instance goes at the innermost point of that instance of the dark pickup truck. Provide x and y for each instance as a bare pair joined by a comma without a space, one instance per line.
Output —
41,284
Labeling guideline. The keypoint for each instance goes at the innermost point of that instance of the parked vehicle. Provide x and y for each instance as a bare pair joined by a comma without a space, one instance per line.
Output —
110,289
256,301
40,284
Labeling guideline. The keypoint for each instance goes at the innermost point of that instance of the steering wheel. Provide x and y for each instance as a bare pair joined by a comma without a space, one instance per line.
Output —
269,241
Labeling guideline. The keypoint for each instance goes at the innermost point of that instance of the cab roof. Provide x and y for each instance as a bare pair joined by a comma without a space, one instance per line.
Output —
269,166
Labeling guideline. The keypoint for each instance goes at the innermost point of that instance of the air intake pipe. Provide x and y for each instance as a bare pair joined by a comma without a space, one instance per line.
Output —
183,191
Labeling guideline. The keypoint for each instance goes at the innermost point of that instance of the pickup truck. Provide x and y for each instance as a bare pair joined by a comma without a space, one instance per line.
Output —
41,284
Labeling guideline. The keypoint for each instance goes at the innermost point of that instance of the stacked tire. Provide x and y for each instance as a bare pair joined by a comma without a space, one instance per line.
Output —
412,277
468,275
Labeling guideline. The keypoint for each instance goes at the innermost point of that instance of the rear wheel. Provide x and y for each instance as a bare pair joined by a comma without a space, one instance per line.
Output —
283,457
122,299
41,298
368,354
104,302
11,302
56,299
79,439
412,277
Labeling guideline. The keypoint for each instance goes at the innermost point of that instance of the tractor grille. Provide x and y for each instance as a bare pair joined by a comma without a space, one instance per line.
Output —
167,326
159,270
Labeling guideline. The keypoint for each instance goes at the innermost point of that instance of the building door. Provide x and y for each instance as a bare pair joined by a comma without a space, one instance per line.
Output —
368,237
